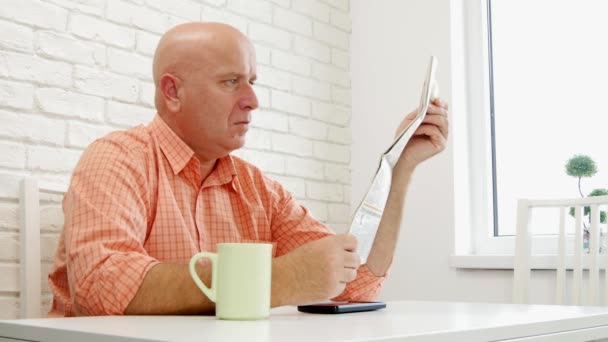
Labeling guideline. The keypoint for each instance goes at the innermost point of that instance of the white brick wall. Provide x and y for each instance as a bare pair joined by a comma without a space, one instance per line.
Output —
68,48
16,94
72,71
16,37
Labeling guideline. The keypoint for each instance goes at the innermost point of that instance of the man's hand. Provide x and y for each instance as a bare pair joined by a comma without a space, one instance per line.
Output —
315,271
430,138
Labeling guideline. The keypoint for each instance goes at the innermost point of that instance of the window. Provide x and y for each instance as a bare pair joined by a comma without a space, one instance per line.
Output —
535,75
549,68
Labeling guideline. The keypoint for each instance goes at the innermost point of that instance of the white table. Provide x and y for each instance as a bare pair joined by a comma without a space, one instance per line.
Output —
401,321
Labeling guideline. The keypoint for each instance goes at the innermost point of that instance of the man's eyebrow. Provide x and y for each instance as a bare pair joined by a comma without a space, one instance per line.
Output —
229,75
236,75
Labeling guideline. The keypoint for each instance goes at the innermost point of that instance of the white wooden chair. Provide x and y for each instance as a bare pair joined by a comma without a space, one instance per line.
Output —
577,262
31,276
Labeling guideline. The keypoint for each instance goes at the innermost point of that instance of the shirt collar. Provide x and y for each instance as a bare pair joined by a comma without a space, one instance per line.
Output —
223,173
177,152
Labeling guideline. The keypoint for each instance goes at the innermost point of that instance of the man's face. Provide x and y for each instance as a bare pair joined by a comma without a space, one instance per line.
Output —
218,99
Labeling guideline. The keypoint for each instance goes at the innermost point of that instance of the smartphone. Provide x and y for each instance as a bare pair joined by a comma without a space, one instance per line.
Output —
341,307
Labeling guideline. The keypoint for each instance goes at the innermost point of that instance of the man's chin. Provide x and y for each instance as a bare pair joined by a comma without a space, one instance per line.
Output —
237,142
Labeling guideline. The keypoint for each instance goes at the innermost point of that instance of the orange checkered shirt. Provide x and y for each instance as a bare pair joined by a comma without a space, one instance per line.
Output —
137,199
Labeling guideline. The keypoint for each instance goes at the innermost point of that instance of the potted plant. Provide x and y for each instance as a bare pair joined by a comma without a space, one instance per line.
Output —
582,166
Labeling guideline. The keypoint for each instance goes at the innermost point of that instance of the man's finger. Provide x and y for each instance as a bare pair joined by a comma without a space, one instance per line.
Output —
433,133
441,103
348,275
433,109
349,242
352,260
438,120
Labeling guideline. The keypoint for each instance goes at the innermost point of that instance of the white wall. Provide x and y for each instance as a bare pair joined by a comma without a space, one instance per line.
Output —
391,44
72,70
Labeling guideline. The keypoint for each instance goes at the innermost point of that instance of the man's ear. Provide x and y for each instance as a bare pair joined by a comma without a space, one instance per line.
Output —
169,88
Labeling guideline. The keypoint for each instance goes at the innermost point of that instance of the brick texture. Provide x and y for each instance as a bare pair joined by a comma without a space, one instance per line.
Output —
73,71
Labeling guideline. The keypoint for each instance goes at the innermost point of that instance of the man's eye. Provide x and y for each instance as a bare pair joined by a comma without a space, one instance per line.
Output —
231,82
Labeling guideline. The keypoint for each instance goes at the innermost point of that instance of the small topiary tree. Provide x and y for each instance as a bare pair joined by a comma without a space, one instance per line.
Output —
584,166
581,166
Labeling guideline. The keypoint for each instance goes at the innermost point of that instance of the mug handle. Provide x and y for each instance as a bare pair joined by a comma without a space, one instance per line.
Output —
209,292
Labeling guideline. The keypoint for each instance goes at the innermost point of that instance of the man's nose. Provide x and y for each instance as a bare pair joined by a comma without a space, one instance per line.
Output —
248,100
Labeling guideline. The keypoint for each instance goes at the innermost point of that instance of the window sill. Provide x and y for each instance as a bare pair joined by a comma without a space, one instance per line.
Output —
505,262
489,262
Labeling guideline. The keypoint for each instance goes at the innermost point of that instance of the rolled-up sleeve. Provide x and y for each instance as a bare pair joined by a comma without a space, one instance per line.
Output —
293,226
105,229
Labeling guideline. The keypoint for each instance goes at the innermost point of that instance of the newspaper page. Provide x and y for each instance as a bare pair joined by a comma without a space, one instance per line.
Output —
369,213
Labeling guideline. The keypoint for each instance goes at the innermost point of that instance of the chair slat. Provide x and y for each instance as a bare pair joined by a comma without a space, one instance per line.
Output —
561,263
594,250
605,257
577,270
521,273
29,297
554,203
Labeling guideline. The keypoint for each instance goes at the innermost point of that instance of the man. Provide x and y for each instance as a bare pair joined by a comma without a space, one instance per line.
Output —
143,201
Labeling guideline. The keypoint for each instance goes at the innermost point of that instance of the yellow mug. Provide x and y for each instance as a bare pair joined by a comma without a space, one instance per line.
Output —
240,280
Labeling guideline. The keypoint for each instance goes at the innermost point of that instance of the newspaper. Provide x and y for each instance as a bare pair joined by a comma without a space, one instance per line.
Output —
367,217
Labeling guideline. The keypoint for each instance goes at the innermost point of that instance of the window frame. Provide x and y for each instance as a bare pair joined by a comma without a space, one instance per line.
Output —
476,245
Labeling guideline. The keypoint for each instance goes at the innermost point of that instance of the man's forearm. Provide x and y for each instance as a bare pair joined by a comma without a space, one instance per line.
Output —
168,289
383,249
282,283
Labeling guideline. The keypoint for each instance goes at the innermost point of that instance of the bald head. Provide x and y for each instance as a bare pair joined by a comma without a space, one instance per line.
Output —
204,75
184,46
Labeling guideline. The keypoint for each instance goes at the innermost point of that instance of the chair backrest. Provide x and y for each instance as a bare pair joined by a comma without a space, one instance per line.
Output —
31,276
577,261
